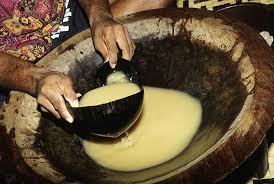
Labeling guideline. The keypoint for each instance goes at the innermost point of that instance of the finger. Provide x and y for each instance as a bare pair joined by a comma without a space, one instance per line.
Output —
44,109
99,45
68,92
131,43
110,42
42,100
59,104
122,42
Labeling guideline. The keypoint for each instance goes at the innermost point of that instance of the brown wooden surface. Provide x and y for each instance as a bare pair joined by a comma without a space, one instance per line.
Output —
242,137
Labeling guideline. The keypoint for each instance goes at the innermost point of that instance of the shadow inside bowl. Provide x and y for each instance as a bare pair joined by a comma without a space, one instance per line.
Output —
169,63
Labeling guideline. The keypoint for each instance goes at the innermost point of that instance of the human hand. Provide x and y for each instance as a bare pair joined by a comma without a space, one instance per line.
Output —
51,88
106,32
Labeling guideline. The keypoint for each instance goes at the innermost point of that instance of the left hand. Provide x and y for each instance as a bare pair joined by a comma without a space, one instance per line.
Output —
52,89
106,32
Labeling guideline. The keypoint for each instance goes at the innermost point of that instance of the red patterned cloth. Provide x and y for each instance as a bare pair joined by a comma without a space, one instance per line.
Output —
26,26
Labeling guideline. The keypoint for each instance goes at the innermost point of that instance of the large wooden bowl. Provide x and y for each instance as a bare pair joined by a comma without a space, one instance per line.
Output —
223,62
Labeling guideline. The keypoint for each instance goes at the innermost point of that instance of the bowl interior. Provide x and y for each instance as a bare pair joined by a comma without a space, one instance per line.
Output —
169,63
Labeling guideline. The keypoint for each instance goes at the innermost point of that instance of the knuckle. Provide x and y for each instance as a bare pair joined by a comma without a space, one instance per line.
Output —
113,53
53,102
112,47
111,56
56,105
67,80
53,98
98,40
40,99
44,89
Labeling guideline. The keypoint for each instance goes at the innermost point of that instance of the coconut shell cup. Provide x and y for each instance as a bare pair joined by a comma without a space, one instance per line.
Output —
114,118
129,68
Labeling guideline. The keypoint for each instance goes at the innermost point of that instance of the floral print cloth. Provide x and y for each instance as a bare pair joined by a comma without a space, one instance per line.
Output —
26,26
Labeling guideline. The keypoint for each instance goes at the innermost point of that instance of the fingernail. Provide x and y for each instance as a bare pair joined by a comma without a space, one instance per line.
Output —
112,65
75,103
69,119
78,95
106,59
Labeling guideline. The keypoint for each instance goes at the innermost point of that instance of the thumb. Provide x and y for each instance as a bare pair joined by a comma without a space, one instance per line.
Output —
68,92
71,97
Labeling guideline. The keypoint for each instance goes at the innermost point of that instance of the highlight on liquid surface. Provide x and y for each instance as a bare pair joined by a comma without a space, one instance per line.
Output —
108,94
117,77
168,122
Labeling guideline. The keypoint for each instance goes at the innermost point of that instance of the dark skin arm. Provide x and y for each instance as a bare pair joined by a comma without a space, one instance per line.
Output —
96,7
18,75
49,87
125,7
53,88
106,32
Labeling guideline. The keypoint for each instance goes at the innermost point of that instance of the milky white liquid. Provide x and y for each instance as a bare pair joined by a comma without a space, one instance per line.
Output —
168,122
117,77
108,93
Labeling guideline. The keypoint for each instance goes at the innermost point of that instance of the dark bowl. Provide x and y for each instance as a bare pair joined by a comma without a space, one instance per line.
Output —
114,118
108,120
130,69
222,62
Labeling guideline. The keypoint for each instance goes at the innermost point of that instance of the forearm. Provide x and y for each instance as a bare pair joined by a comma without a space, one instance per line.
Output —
19,75
125,7
95,7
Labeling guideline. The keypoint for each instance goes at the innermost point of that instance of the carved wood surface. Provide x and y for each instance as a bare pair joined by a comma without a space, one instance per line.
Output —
22,124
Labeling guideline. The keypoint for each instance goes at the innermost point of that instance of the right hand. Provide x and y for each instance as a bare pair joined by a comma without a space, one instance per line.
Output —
52,89
107,34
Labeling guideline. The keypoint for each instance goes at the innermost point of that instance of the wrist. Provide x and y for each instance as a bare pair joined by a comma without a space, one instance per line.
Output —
36,75
99,17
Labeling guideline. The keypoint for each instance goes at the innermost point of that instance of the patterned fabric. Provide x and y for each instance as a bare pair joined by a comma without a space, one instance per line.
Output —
26,26
211,4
